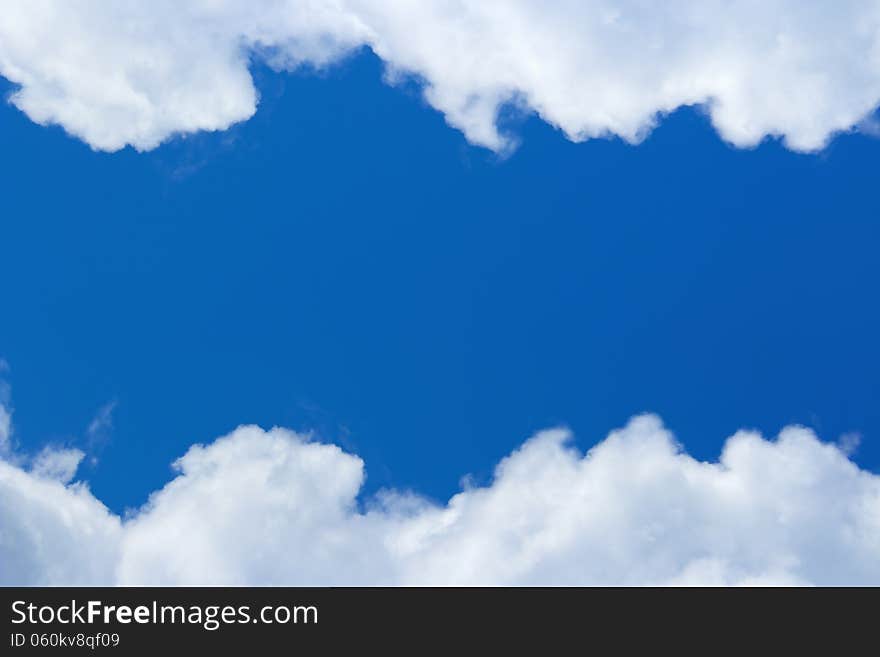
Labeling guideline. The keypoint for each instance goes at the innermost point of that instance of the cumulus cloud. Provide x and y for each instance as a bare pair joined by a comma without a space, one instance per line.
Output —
274,507
128,72
52,534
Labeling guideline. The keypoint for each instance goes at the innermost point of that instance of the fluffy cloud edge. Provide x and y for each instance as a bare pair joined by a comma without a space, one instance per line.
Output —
259,507
140,73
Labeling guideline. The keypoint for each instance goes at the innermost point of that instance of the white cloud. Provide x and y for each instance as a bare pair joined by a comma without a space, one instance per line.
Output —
271,507
130,72
57,463
5,430
5,412
52,462
137,73
52,534
849,442
101,425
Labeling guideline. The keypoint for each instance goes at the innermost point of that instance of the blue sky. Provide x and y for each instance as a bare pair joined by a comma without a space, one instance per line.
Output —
360,292
345,263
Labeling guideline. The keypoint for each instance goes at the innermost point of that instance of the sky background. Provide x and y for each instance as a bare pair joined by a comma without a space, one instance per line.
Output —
346,263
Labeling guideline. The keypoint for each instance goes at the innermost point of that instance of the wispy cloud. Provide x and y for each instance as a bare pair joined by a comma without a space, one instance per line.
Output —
59,464
55,462
101,426
5,412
